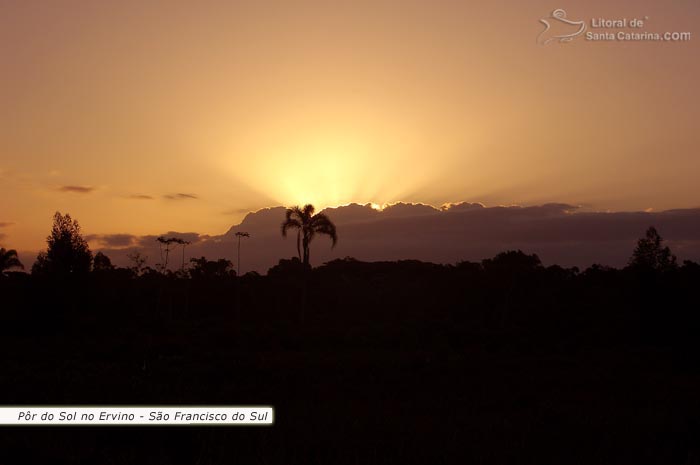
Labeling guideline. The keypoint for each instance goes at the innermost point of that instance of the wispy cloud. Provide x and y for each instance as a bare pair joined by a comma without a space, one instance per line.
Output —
180,196
77,189
141,197
4,224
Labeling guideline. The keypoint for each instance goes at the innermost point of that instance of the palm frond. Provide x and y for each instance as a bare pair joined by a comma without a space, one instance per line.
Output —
309,211
321,224
295,211
290,223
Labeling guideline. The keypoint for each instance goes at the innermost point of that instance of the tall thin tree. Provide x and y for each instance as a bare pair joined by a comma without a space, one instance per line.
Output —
165,253
184,244
239,235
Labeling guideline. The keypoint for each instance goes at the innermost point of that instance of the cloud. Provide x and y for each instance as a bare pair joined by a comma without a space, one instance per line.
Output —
77,189
180,196
461,206
112,240
401,210
559,233
140,197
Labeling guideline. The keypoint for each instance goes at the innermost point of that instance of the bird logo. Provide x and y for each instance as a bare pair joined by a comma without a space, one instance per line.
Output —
557,27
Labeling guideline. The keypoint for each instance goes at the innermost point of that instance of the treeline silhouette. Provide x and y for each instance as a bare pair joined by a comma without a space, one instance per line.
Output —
500,361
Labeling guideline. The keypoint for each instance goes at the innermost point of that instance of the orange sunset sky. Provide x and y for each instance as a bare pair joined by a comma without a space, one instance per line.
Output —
143,117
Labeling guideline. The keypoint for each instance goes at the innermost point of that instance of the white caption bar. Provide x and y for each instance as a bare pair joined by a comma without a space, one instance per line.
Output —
137,416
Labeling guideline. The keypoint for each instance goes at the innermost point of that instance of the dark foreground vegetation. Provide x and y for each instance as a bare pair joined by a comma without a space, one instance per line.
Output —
504,361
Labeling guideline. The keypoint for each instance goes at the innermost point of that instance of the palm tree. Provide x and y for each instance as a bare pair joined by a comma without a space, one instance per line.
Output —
308,226
9,260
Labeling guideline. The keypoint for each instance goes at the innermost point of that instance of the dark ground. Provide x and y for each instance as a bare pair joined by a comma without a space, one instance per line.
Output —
493,363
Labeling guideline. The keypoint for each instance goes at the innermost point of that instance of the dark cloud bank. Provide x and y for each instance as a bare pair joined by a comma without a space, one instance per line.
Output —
558,233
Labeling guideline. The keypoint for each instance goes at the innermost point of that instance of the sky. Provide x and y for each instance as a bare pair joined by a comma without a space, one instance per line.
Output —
141,117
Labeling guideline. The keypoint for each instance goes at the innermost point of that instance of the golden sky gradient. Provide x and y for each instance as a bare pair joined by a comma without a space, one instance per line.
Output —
149,116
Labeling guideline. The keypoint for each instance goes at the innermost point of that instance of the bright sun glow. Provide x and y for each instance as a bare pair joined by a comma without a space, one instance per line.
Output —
327,166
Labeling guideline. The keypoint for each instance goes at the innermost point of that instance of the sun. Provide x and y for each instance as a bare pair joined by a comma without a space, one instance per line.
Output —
324,170
330,156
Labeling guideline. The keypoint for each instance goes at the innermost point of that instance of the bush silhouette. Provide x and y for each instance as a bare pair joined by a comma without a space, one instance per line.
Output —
201,268
9,260
101,263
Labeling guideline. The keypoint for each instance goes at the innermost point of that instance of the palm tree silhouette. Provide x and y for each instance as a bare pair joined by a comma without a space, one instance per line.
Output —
308,226
9,260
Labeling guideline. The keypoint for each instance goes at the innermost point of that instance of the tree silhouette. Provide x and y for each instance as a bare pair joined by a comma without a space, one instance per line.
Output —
513,261
184,244
203,269
68,253
9,260
650,253
101,262
308,226
165,253
139,262
509,271
240,235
